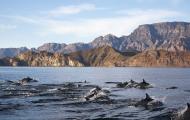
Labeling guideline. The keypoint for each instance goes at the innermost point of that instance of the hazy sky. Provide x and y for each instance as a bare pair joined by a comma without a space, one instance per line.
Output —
34,22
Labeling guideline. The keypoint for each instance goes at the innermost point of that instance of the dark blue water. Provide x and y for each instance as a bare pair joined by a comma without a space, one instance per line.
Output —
39,101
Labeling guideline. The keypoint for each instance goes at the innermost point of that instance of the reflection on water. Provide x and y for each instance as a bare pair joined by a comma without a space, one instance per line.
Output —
60,91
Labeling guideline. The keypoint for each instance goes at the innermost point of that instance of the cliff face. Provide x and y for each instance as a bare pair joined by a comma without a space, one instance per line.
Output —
160,58
63,48
52,47
103,56
170,36
45,59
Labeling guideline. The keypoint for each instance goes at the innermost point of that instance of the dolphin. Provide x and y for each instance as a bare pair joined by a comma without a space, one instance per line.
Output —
148,102
143,85
184,114
96,94
9,82
131,84
122,84
26,80
144,101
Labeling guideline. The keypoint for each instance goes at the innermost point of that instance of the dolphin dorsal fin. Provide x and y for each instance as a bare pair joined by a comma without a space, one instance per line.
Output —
188,105
144,81
148,97
132,81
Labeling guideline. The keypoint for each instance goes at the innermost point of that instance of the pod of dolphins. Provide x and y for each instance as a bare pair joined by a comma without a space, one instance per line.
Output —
23,81
97,93
134,84
148,102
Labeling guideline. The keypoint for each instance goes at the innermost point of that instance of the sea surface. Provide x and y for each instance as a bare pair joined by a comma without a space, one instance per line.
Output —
59,92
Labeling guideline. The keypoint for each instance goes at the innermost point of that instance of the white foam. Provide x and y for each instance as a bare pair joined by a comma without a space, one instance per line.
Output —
54,89
180,113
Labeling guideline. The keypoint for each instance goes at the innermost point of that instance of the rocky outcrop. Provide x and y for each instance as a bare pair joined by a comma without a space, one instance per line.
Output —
52,47
170,36
46,59
102,56
76,47
160,58
107,40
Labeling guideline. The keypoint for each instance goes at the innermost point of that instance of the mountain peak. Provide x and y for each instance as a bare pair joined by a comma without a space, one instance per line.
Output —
109,36
169,36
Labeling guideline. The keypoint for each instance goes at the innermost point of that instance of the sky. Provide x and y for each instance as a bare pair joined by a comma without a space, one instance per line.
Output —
32,23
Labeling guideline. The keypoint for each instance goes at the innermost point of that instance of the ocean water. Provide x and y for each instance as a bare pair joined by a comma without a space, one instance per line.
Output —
49,99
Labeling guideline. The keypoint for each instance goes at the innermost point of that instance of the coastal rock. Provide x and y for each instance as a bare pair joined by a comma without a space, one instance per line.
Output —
46,59
102,56
160,58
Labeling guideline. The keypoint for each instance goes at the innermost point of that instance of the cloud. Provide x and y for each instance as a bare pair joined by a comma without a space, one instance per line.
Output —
120,25
5,27
149,13
20,18
123,22
71,9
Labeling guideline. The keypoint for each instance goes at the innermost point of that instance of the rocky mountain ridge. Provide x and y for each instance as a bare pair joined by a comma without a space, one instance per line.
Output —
103,56
169,36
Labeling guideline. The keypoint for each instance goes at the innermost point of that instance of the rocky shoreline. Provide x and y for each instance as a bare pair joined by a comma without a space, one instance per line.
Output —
101,57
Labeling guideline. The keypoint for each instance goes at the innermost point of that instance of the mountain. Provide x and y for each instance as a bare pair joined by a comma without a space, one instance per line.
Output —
52,47
160,58
103,56
169,36
107,40
11,52
76,47
63,48
44,59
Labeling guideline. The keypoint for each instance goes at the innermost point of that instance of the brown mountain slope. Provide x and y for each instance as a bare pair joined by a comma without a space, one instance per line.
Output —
160,58
102,56
44,59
